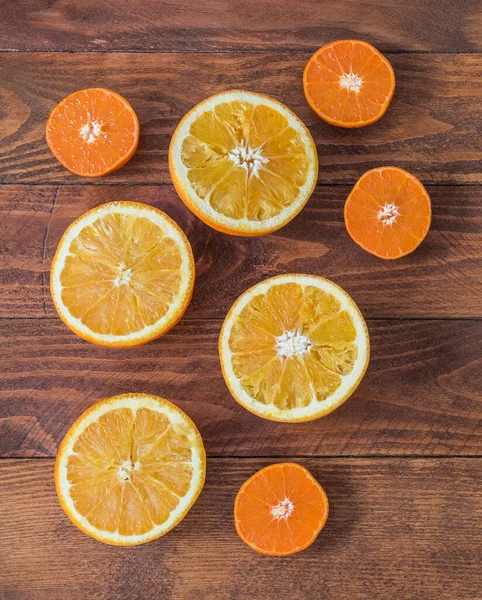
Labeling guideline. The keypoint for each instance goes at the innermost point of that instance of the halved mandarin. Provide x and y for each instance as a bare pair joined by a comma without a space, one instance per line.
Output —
129,469
280,510
293,348
93,132
122,275
243,163
349,83
388,212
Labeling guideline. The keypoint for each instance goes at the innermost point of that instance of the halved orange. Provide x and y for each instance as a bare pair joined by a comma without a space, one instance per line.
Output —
348,83
93,132
280,510
243,163
388,212
129,469
122,275
293,348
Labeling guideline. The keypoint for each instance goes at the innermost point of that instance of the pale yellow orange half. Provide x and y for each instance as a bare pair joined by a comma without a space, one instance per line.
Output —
293,348
123,274
243,163
129,469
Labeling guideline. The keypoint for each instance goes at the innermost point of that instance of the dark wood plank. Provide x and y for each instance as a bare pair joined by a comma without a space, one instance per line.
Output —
397,529
443,278
432,128
422,394
163,26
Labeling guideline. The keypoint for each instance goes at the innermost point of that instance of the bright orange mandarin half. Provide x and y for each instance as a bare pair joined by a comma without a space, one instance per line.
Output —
349,83
388,212
93,132
280,510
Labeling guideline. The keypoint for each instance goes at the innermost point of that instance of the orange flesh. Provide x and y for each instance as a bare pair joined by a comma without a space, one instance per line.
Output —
245,161
349,83
129,471
121,275
388,212
93,132
291,343
280,510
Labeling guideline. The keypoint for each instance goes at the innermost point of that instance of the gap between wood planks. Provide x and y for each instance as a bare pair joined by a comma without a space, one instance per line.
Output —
305,51
296,457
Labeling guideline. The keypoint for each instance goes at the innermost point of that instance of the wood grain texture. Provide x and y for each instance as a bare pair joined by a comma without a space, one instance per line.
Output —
432,128
443,278
422,394
397,529
164,26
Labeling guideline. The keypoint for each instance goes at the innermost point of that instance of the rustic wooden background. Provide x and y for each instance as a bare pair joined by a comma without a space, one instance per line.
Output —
402,460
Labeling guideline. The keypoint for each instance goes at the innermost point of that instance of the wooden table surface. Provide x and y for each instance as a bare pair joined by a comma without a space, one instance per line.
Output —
401,461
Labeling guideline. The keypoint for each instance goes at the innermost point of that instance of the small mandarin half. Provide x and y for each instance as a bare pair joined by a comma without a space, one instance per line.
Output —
122,275
129,469
280,510
293,348
388,212
348,83
243,163
93,132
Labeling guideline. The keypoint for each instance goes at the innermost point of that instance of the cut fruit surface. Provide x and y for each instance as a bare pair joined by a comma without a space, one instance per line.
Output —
348,83
129,469
293,348
388,212
280,510
243,163
122,275
93,132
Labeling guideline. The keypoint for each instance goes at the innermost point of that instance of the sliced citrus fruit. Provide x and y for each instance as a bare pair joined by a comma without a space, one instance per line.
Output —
293,348
280,510
243,163
349,83
123,274
129,469
388,212
93,132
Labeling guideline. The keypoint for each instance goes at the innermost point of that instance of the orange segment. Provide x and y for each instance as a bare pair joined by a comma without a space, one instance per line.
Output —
243,163
388,212
293,348
129,469
280,510
123,274
349,83
93,132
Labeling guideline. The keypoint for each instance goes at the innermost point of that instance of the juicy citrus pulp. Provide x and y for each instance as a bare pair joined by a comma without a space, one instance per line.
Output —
293,348
280,510
388,212
129,469
122,275
349,83
243,163
93,132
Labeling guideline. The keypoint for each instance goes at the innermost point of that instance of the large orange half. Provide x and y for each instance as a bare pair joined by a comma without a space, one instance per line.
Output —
388,212
129,469
93,132
280,510
349,83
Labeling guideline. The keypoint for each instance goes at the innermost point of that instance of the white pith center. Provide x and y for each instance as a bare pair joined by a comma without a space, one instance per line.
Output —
351,82
124,277
388,214
292,343
251,160
282,510
90,131
126,469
